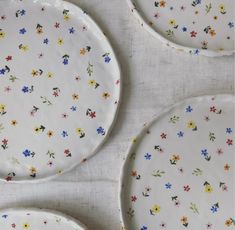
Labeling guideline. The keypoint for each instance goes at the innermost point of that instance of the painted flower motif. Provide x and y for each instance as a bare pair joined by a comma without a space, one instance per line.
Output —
155,209
101,131
105,95
207,187
184,221
2,34
26,226
168,185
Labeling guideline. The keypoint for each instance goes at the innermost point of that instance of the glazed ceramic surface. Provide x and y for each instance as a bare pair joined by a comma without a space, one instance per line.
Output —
179,173
59,88
196,26
35,219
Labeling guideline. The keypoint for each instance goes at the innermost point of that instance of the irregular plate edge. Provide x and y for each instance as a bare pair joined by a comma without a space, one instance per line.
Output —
115,116
144,128
177,47
43,210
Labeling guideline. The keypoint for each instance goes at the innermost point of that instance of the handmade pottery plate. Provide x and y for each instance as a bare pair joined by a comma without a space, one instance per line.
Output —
34,219
195,26
59,87
179,173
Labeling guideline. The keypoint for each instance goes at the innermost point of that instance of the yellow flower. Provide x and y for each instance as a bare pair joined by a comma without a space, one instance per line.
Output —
215,17
92,82
106,95
2,34
26,226
208,188
191,125
156,209
66,17
221,7
37,129
14,122
2,108
49,75
79,130
24,48
134,140
60,41
49,133
172,22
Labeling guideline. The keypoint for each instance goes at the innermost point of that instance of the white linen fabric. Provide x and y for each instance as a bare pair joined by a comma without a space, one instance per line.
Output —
154,76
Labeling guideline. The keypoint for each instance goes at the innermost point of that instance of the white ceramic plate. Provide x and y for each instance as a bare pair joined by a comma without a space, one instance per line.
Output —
179,173
59,88
35,219
195,26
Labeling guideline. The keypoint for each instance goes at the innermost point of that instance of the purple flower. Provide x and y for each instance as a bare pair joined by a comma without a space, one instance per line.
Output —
25,89
148,156
22,31
26,153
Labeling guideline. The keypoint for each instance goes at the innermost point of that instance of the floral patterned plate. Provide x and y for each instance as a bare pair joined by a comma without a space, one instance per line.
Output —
35,219
195,26
179,173
59,87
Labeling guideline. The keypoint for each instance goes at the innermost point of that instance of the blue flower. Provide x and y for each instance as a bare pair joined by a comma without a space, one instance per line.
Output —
204,152
4,216
64,134
45,41
2,71
197,51
22,12
231,24
101,131
65,61
180,134
148,156
25,89
189,109
184,29
229,130
144,228
26,153
107,59
168,185
73,108
71,30
22,31
214,209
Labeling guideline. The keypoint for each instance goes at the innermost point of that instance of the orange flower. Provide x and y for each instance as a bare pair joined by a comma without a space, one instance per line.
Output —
212,33
106,95
162,3
228,223
75,96
226,167
82,51
184,220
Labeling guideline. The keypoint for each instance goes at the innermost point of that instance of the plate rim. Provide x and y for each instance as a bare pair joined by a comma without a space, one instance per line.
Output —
46,211
116,113
143,130
208,53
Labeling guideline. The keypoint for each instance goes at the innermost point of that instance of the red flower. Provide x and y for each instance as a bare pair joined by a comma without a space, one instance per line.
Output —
55,94
8,58
213,109
133,198
133,173
5,141
229,142
186,188
92,114
13,225
57,25
193,34
8,178
163,135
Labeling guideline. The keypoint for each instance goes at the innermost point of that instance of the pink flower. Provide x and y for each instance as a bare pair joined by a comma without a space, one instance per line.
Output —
5,141
133,198
193,34
186,188
229,141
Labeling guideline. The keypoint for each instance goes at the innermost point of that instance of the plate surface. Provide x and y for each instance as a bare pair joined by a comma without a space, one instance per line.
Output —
35,219
179,173
196,26
59,88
